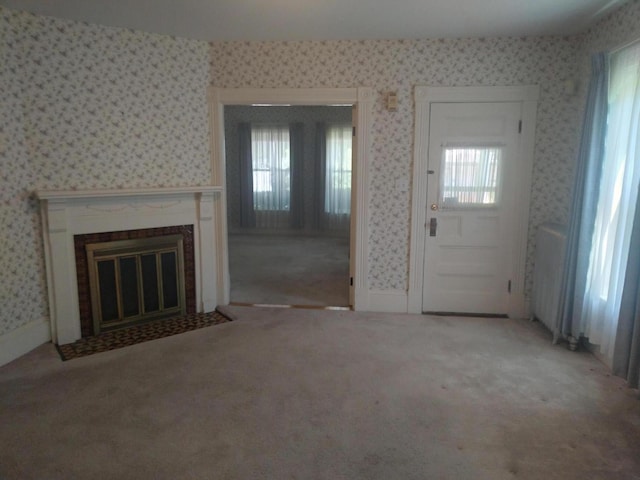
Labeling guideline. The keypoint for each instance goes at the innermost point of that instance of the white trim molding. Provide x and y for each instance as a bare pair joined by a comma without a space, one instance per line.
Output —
424,96
363,98
388,301
68,213
23,339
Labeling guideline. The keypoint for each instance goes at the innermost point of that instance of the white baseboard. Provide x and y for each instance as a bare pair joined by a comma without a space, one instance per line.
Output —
23,339
518,307
391,301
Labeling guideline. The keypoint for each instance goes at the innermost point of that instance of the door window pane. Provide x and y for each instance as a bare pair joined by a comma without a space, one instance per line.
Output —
470,177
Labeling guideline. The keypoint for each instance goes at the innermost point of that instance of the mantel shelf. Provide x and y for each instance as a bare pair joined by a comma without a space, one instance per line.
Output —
124,192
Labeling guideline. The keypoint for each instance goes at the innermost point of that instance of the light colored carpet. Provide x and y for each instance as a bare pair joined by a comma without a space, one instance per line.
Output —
289,270
313,394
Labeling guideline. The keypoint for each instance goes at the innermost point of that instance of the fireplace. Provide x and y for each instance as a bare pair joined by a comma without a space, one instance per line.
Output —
72,220
147,274
138,280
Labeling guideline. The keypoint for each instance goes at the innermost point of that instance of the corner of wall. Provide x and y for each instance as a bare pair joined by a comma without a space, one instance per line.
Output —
23,339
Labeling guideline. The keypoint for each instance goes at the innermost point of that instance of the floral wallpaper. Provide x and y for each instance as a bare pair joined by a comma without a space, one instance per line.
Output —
616,30
308,116
85,106
400,65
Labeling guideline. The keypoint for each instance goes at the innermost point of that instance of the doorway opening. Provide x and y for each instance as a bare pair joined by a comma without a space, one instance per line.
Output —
361,99
288,182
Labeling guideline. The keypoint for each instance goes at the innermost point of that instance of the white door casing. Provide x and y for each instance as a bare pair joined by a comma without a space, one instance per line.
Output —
362,98
425,99
353,247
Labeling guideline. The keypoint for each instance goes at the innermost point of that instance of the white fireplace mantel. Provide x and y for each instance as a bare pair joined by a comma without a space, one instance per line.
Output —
76,212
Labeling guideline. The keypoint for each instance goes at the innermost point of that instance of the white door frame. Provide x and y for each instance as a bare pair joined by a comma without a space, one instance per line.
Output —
363,98
424,97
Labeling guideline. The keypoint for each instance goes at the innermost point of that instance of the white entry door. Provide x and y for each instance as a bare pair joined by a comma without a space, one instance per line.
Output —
470,216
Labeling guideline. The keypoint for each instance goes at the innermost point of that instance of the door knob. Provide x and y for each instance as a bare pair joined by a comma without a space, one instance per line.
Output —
434,206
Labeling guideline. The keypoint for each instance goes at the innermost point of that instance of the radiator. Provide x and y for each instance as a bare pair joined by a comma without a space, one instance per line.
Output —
547,276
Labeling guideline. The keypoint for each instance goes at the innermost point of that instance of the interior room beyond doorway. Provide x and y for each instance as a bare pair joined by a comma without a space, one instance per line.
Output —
288,177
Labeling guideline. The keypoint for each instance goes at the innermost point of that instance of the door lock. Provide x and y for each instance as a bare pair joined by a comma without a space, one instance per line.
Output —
433,226
434,207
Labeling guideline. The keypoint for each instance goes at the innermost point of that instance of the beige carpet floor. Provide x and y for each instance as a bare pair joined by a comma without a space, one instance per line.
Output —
289,270
314,394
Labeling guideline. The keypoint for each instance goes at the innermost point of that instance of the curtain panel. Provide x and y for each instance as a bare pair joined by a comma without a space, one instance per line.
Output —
585,200
336,178
626,359
625,95
271,176
247,212
616,203
296,138
320,172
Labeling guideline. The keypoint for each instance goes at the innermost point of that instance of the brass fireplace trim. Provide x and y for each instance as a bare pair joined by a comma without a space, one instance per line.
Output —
114,250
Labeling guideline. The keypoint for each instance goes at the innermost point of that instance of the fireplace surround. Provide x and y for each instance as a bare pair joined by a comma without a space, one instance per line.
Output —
67,214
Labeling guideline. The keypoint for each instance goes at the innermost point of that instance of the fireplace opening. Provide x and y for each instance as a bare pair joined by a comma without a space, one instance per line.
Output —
133,281
128,267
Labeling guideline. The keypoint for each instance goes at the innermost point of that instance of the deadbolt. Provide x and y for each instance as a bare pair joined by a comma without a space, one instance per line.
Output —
434,206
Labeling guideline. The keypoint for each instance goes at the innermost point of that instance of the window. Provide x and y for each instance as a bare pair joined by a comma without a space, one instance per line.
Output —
616,201
470,176
337,198
271,168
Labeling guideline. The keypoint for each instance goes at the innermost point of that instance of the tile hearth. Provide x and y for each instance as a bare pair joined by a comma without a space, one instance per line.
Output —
125,337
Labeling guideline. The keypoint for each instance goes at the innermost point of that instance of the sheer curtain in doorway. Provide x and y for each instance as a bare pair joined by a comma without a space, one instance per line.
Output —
334,179
271,176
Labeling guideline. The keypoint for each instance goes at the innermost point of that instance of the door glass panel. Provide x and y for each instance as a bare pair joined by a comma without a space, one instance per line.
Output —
470,177
169,279
129,286
108,290
150,283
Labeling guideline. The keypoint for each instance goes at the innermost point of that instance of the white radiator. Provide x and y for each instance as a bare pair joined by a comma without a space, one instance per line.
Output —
547,275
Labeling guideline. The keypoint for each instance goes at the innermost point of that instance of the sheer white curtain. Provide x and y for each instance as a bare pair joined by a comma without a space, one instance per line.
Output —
337,181
271,171
470,176
616,202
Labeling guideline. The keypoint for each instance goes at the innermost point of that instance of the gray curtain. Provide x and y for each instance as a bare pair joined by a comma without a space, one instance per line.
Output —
626,357
585,198
247,212
320,173
296,141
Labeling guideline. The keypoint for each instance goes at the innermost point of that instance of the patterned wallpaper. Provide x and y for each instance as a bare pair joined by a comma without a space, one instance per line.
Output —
400,65
86,106
309,116
616,30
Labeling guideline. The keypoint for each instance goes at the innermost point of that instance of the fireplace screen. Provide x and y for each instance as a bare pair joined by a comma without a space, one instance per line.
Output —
136,280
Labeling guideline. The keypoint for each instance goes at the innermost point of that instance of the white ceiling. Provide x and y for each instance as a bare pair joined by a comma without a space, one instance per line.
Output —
331,19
